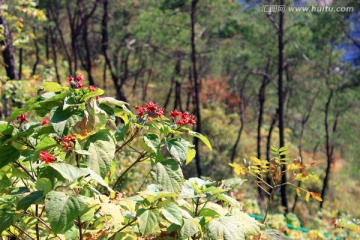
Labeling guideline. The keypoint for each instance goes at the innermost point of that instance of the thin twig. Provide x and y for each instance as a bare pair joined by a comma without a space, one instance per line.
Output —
132,165
129,140
27,171
22,231
129,223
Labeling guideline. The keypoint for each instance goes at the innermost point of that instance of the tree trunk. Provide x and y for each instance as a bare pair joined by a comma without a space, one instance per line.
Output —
20,62
196,86
284,201
8,51
329,147
53,48
37,52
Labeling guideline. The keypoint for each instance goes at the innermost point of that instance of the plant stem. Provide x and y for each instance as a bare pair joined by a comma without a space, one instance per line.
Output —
269,203
131,166
37,225
80,228
129,223
129,140
22,231
26,171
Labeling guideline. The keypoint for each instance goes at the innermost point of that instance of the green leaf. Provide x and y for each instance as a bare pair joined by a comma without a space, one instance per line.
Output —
232,183
148,221
102,149
178,148
33,197
189,228
172,214
45,143
52,87
226,227
68,171
89,95
169,175
112,101
44,184
9,154
6,220
60,117
153,141
202,138
190,155
62,210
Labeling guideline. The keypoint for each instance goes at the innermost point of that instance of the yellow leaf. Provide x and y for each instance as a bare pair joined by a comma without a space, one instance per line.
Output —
316,196
307,197
298,192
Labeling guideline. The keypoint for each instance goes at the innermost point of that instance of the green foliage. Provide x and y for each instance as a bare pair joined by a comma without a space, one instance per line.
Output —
67,164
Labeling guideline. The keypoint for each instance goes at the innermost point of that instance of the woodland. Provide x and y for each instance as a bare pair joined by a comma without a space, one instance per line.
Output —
179,119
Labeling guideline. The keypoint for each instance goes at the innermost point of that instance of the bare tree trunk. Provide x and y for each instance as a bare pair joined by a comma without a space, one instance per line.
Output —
8,51
20,62
284,201
53,48
329,146
196,86
37,52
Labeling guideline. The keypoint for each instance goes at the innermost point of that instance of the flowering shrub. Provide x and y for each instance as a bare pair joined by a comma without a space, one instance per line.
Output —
60,174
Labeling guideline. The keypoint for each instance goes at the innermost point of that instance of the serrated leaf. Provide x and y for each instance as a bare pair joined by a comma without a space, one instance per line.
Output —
226,227
202,138
148,221
169,176
232,183
102,149
153,141
172,213
189,228
178,148
9,154
62,210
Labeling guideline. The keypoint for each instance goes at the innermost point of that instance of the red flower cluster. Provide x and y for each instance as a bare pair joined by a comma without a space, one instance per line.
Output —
151,109
66,141
78,81
44,122
182,119
92,88
22,118
47,157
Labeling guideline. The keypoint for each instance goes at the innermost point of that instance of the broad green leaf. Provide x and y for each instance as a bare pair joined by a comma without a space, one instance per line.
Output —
68,171
44,184
89,95
62,210
45,143
148,221
189,228
25,202
6,220
172,213
226,227
248,225
60,117
190,155
8,154
112,101
102,149
232,183
153,141
228,199
201,137
169,176
178,148
52,87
